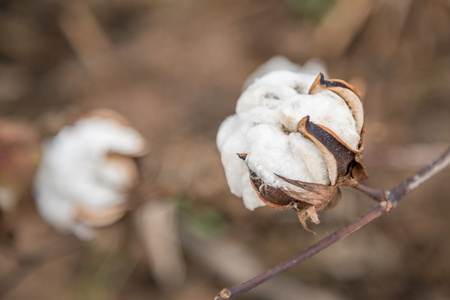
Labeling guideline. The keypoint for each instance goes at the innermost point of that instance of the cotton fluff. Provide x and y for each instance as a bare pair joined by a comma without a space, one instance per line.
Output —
86,173
265,128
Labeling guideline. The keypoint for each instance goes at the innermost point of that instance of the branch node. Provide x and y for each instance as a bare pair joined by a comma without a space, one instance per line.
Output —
387,205
224,294
386,202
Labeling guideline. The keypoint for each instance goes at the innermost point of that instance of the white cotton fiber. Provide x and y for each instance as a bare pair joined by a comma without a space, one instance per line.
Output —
85,174
265,128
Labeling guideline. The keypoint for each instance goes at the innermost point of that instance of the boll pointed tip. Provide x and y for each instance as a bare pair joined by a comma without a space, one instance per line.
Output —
242,156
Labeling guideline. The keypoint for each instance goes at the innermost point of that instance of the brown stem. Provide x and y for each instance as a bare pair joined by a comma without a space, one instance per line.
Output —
419,178
311,251
378,195
387,200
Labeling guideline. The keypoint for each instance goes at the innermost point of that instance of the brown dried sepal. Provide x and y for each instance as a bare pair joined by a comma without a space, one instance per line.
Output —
321,197
344,90
351,96
312,199
340,159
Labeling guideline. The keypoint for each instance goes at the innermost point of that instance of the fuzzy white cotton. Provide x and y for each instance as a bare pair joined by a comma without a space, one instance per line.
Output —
280,63
86,169
265,128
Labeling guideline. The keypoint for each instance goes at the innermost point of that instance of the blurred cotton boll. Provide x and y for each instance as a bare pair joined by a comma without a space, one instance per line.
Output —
299,135
86,173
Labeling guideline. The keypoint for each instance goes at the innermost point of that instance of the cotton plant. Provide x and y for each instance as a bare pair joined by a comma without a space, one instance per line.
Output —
294,140
86,173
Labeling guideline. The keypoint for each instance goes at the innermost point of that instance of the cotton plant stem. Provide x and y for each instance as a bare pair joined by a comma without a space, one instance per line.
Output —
387,200
377,195
293,261
419,178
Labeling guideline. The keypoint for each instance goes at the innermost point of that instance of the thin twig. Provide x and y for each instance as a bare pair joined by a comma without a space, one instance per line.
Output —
387,199
378,195
419,178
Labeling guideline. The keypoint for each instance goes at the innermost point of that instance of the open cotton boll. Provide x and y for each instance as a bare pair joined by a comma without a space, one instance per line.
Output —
295,138
86,173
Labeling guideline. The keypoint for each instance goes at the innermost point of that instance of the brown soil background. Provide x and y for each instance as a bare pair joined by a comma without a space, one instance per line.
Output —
175,69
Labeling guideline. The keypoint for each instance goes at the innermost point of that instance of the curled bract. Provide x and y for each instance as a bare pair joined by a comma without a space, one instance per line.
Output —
87,171
300,137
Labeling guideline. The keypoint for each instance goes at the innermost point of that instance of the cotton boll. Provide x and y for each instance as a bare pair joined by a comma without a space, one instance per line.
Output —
86,173
299,135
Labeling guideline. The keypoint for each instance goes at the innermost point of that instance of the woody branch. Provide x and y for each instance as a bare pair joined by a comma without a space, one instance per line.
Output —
387,199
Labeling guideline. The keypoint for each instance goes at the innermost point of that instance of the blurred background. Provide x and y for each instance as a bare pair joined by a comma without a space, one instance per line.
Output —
175,69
